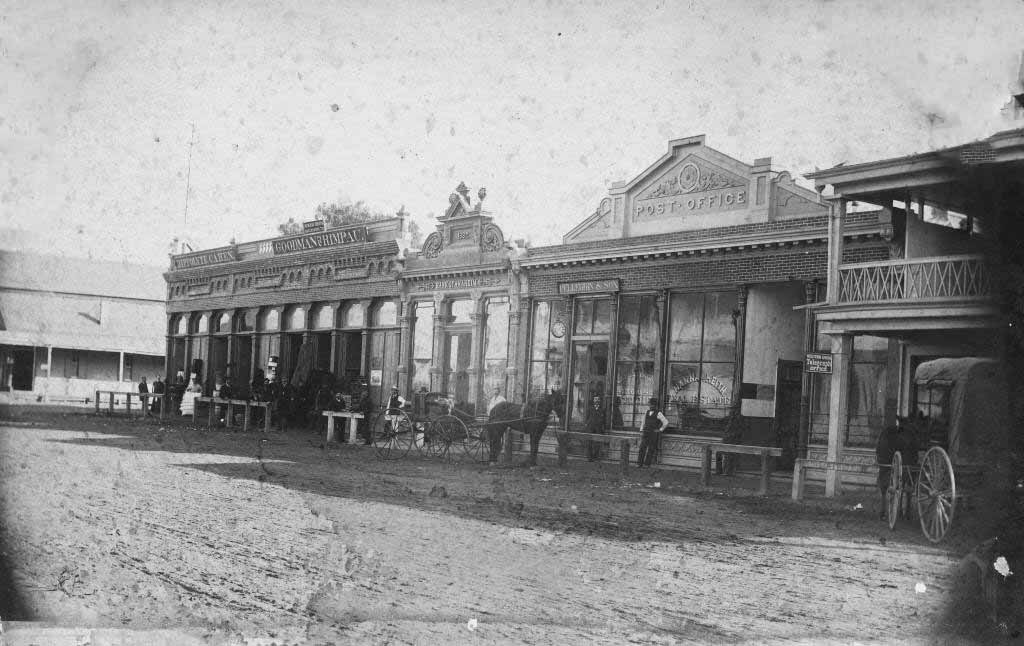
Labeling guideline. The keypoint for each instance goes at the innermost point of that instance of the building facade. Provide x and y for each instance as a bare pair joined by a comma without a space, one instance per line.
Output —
70,327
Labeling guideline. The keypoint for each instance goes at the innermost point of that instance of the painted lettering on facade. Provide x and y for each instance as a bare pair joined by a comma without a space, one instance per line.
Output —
683,392
460,283
816,362
589,286
320,240
214,257
683,204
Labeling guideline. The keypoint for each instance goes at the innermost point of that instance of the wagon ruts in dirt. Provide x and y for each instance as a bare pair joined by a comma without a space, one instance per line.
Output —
958,461
431,423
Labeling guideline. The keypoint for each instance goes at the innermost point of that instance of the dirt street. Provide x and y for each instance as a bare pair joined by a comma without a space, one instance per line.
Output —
166,533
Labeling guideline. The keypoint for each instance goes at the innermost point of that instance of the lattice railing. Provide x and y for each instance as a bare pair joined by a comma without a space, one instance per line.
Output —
945,278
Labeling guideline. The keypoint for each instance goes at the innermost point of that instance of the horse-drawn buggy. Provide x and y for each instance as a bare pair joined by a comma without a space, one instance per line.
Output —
434,425
954,449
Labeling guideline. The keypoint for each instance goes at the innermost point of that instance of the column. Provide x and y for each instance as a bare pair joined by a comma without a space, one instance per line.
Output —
364,359
842,346
49,370
522,358
438,367
120,366
334,340
515,318
837,212
476,348
613,355
804,428
661,356
741,338
404,343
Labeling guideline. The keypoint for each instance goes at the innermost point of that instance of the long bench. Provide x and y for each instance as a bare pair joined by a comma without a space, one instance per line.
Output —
214,402
612,441
351,416
801,466
764,451
143,400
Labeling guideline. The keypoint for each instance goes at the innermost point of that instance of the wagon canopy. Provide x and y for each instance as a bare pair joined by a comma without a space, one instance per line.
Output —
976,408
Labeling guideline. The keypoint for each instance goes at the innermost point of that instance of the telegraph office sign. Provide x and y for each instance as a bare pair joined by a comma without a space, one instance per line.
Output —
818,362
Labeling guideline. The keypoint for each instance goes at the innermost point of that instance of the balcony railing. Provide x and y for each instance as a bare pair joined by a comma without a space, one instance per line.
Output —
946,278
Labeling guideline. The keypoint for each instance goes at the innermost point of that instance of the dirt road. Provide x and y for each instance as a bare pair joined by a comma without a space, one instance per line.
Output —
223,538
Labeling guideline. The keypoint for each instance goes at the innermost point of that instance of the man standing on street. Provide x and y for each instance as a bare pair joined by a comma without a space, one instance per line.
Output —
655,423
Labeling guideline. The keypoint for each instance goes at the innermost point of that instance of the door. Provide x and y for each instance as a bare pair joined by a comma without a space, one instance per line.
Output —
241,373
383,362
457,354
589,379
21,370
787,412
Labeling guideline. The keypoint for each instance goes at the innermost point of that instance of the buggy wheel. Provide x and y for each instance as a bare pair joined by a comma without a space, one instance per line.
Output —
445,431
392,434
936,494
430,439
894,494
476,444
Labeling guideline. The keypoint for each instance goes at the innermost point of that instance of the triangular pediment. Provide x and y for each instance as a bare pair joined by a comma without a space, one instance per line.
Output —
691,174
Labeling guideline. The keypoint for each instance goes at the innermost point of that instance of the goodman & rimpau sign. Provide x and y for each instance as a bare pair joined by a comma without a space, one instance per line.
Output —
320,240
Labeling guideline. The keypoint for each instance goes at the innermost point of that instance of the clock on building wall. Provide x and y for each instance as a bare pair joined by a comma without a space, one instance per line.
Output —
558,329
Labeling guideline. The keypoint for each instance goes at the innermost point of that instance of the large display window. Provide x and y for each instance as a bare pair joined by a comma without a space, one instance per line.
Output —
495,349
638,357
422,345
547,350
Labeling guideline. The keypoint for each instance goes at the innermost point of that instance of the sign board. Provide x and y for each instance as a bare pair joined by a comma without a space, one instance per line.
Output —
462,283
818,362
589,286
202,258
331,238
313,226
376,377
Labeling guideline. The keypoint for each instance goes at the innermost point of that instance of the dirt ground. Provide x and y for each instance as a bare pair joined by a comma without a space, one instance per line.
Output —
139,532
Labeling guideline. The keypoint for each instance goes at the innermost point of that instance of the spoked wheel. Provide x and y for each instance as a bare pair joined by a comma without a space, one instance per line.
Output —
392,434
894,494
936,494
476,444
442,433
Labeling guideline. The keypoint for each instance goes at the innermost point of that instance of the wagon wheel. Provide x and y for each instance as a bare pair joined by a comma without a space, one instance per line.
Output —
476,443
894,494
447,430
431,440
936,494
392,434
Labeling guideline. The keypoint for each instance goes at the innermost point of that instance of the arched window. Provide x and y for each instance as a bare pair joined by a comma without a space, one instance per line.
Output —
295,319
355,316
387,314
270,320
181,325
222,323
323,317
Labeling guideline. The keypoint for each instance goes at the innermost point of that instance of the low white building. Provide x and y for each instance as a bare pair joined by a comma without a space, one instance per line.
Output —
70,327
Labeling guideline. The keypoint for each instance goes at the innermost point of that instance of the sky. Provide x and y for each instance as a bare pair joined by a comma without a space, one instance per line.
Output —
114,115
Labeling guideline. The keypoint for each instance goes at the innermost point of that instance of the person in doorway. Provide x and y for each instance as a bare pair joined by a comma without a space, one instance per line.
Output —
594,424
496,398
143,387
654,425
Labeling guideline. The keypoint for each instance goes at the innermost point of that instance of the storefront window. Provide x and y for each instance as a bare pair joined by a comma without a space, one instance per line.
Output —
593,316
639,336
423,345
387,314
547,350
495,348
702,355
868,368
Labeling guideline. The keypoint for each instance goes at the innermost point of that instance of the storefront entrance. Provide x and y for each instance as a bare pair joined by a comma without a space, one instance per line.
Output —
241,365
17,369
589,379
456,373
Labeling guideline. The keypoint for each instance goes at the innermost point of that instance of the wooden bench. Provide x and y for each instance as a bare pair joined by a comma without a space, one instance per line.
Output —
612,441
351,416
143,400
802,464
214,402
763,451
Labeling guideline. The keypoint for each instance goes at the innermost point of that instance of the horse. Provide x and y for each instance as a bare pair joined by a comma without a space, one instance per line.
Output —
530,418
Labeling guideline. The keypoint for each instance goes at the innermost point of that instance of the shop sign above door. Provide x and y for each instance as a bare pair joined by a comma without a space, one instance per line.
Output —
320,240
589,286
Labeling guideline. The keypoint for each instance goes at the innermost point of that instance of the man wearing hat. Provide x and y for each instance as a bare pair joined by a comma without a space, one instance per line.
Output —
654,423
395,404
